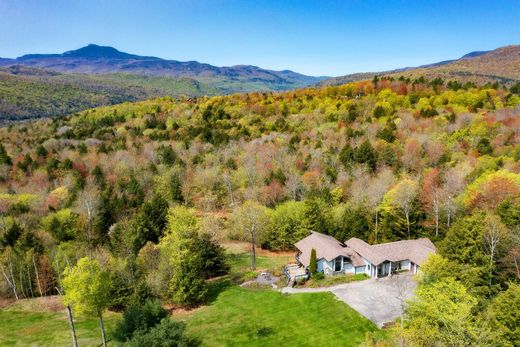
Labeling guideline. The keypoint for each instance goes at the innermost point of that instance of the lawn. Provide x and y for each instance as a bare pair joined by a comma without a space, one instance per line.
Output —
243,317
29,323
328,281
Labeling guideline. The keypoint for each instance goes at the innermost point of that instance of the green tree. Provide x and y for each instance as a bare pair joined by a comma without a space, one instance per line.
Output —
441,315
313,265
62,225
168,333
484,146
176,188
138,319
149,223
179,246
86,288
504,316
366,154
5,159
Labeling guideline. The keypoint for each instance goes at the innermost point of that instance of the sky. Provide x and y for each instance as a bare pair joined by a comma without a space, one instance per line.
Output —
321,37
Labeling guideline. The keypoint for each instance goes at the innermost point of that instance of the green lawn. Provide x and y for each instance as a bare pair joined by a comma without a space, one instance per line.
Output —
24,325
243,317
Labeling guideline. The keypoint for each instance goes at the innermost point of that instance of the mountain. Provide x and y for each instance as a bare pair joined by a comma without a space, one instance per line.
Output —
45,85
499,65
94,59
27,92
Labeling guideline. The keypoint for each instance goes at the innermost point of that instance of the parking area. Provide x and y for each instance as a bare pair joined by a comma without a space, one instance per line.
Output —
377,299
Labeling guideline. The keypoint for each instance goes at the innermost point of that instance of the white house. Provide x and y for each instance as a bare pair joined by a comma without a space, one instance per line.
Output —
355,256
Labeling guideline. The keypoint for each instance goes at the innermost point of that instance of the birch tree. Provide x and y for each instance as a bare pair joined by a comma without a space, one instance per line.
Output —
86,288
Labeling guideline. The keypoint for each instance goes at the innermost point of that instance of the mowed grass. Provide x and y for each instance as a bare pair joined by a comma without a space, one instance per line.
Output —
244,317
26,323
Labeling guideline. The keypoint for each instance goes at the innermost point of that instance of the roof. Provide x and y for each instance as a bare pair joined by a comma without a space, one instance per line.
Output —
415,250
327,247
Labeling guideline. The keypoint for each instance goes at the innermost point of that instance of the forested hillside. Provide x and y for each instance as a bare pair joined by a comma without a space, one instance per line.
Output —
28,93
501,65
382,160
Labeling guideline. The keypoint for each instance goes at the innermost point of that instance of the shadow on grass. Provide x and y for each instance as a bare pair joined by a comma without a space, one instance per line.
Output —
215,288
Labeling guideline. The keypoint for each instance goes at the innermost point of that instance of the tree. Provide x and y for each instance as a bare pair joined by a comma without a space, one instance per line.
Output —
441,315
180,248
138,319
176,188
504,318
5,159
251,220
484,146
62,225
431,195
86,288
88,202
313,266
168,333
366,154
402,197
494,235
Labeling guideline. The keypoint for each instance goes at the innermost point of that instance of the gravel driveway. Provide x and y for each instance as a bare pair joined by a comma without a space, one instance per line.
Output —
378,300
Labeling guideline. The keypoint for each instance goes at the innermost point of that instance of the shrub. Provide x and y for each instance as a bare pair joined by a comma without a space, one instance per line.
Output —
139,320
167,334
318,276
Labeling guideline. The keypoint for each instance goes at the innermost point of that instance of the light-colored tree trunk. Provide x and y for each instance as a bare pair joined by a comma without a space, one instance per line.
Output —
72,328
407,214
253,250
377,225
102,326
10,281
37,276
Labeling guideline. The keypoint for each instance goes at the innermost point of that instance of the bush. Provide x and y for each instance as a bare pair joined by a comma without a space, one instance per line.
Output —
167,334
139,320
318,276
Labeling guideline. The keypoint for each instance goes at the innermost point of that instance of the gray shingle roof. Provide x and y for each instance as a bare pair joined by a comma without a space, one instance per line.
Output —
328,248
415,250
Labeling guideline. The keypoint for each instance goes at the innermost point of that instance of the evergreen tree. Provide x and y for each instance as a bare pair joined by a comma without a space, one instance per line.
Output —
366,154
5,159
313,265
176,188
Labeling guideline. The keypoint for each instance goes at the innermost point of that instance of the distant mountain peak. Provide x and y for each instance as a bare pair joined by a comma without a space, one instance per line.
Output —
474,54
96,51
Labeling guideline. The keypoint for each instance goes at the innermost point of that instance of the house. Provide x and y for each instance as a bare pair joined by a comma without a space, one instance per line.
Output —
355,256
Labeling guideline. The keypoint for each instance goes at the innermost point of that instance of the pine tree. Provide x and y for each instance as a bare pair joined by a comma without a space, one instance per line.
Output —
176,189
313,264
5,159
366,154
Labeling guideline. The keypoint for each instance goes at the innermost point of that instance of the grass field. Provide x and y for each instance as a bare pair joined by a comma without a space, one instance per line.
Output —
34,322
243,317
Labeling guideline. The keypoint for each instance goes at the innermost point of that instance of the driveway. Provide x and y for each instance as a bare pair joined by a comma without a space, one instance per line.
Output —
377,299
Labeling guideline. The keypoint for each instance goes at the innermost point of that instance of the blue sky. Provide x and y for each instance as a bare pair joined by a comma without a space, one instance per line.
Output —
321,37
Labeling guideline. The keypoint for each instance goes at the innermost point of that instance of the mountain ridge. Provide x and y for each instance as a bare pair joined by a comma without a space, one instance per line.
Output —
96,59
498,65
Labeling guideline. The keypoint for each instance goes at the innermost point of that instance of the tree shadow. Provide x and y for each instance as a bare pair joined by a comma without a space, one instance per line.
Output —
215,288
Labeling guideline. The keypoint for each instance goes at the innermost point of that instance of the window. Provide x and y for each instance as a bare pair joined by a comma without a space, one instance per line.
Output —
369,267
337,264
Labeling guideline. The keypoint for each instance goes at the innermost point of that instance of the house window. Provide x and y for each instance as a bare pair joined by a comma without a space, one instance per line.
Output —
369,268
337,264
